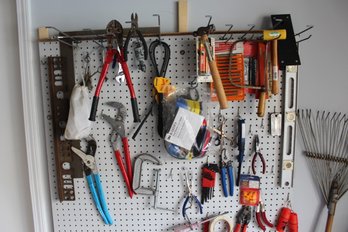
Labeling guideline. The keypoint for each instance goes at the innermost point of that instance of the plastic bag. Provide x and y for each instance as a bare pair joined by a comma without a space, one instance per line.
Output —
185,123
78,125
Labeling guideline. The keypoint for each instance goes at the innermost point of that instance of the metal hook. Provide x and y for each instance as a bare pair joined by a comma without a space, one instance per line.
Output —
251,27
210,17
159,25
307,29
304,39
65,34
229,29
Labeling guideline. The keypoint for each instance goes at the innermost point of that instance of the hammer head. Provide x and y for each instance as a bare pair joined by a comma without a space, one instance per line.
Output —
204,30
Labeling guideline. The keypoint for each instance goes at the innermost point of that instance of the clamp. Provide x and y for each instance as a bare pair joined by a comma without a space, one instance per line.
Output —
134,30
137,176
114,36
93,178
118,130
258,153
243,218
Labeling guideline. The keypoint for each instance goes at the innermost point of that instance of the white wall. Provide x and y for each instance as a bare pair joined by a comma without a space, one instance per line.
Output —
323,78
15,202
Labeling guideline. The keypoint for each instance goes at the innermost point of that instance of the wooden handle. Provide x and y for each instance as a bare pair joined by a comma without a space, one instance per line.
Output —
275,80
329,222
218,85
262,104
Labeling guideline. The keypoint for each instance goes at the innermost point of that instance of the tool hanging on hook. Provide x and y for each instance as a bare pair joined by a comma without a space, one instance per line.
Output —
114,35
203,32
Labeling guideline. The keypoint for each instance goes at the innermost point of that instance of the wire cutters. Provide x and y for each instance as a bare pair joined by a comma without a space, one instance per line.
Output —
134,29
243,219
118,130
93,178
114,36
261,216
258,153
226,167
190,199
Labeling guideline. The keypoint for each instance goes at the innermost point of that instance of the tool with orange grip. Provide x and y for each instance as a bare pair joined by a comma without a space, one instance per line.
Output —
203,32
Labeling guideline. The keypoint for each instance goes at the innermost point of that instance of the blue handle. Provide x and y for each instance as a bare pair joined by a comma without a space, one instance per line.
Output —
199,204
231,179
102,199
184,207
223,181
95,198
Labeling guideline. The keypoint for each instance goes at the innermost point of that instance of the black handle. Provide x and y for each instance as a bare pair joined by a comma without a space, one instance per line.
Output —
160,115
94,108
135,110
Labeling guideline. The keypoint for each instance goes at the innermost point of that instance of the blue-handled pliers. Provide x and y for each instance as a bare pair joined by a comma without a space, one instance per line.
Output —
190,199
93,178
226,167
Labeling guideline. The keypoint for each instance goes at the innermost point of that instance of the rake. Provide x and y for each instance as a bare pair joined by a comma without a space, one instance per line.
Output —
325,137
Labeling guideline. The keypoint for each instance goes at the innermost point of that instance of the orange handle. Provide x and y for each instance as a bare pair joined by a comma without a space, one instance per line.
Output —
262,104
275,79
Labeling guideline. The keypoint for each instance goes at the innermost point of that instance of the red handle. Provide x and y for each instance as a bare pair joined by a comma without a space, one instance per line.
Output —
109,57
293,222
237,228
124,173
245,227
127,158
265,220
258,219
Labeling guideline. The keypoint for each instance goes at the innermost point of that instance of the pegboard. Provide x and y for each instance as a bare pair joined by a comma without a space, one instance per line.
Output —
137,214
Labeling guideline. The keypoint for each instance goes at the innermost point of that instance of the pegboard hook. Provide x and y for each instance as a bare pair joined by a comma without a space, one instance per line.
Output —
247,32
159,25
210,17
229,29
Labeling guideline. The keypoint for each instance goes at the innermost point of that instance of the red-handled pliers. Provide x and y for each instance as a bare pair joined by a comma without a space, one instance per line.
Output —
119,131
114,36
261,216
243,218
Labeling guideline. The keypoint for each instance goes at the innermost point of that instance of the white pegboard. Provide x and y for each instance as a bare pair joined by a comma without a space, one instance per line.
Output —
136,214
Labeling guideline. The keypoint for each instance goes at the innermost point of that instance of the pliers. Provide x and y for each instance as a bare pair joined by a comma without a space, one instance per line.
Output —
118,130
114,36
261,216
258,153
190,199
226,167
134,29
243,219
93,178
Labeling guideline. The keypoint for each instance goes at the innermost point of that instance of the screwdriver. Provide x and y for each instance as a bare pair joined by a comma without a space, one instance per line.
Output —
241,146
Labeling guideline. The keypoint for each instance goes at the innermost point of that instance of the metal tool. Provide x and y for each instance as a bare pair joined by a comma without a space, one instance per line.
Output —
260,215
137,175
140,46
226,168
190,199
258,154
115,49
243,218
325,137
93,178
241,146
203,32
118,131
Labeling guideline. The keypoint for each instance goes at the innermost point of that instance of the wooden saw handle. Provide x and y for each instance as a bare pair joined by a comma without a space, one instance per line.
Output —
275,79
262,104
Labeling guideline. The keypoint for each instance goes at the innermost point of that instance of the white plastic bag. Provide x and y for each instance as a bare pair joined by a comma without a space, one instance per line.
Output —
78,125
